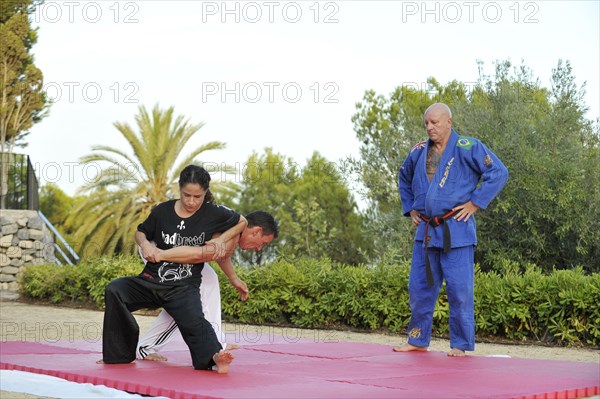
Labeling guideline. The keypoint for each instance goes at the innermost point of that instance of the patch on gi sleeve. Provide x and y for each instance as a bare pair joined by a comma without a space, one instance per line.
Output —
418,146
464,142
488,160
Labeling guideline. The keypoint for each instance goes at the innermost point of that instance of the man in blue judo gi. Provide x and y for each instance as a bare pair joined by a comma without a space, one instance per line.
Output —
442,182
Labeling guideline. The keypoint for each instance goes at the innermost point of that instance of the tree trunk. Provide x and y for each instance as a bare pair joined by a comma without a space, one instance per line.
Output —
6,150
5,157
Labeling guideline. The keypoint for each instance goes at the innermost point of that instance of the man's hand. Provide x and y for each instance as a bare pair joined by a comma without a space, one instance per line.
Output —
466,210
220,247
241,286
223,248
414,216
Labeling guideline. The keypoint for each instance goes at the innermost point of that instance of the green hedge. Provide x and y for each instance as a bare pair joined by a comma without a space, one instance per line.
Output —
82,283
518,303
562,307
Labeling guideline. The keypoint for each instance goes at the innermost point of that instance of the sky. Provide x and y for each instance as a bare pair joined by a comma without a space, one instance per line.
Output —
279,74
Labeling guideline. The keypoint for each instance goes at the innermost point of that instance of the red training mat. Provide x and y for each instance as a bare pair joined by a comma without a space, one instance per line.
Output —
313,370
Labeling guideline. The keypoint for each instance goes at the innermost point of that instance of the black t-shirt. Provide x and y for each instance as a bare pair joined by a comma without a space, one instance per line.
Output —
168,230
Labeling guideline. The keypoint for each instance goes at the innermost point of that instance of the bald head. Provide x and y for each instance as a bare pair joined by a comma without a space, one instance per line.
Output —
441,108
438,123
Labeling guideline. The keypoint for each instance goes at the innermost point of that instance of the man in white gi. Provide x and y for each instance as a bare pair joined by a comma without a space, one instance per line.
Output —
260,231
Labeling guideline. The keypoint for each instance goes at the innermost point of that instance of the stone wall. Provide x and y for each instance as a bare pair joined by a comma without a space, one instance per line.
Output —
25,240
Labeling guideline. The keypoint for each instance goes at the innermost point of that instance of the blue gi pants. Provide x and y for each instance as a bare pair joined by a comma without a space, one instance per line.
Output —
457,268
128,294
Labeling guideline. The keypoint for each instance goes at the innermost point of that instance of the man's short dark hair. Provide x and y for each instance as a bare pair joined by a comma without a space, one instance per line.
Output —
264,220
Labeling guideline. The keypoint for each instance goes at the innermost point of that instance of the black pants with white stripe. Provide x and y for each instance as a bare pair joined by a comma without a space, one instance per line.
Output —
121,332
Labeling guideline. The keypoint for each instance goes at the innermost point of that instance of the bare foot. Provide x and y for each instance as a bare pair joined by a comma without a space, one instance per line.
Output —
410,348
456,353
231,347
155,357
223,360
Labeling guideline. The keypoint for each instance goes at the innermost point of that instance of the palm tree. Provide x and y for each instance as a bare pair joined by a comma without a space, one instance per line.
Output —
125,191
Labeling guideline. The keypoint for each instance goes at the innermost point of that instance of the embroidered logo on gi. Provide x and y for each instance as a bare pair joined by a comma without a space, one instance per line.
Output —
414,333
465,143
419,146
446,173
181,226
488,160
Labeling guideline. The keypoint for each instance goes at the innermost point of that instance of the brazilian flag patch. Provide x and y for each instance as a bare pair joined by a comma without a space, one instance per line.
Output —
464,142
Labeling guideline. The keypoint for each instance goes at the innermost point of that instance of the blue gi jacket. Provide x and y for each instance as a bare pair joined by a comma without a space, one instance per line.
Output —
466,161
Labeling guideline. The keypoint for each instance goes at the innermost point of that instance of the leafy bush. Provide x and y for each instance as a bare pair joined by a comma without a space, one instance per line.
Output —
320,293
514,301
560,307
84,282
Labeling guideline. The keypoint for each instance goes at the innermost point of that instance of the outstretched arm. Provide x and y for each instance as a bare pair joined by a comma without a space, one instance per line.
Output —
205,253
186,254
237,283
222,241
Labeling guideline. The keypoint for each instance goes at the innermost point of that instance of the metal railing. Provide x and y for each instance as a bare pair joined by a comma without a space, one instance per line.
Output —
19,191
21,187
61,246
